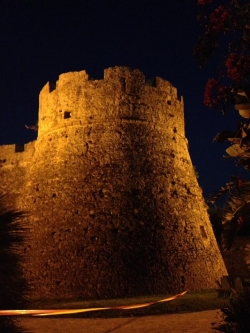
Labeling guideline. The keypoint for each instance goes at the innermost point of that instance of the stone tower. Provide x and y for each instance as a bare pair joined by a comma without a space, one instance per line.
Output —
115,207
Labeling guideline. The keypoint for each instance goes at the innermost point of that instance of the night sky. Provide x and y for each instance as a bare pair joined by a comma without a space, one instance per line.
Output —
41,39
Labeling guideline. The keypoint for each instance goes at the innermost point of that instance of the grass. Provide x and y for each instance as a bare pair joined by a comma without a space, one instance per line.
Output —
190,302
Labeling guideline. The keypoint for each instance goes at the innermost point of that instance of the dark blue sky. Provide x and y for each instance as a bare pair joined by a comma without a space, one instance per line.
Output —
42,39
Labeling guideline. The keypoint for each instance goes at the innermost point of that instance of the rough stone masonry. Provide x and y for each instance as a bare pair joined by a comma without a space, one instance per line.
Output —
113,203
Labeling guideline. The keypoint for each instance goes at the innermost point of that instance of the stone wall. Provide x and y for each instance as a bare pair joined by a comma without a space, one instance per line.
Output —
14,162
115,207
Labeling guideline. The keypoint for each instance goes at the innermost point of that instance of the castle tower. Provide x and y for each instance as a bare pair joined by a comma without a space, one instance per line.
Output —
115,207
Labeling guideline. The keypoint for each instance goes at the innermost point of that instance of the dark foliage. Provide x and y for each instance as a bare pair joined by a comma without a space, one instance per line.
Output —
240,143
227,36
235,215
215,216
223,190
12,285
237,314
224,135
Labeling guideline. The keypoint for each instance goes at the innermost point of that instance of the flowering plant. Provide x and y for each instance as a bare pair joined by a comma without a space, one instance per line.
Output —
220,19
214,93
203,2
226,34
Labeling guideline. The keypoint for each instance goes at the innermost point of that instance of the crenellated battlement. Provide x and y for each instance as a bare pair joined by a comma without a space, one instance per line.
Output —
76,97
15,161
114,207
121,96
15,155
124,77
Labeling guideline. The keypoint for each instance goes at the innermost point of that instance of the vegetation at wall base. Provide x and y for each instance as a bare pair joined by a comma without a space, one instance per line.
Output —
237,314
12,285
227,36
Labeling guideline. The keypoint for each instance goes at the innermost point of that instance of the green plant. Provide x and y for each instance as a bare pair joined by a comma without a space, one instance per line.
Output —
235,221
240,141
237,314
235,215
226,37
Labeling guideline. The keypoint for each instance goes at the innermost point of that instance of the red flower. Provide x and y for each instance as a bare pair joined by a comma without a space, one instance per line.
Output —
240,221
214,93
240,182
219,18
238,66
203,2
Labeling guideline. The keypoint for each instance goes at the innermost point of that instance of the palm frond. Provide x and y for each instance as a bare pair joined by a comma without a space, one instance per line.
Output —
222,191
12,285
12,234
228,235
235,215
239,200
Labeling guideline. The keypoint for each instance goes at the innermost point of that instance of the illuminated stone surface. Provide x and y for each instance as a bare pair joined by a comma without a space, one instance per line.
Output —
115,207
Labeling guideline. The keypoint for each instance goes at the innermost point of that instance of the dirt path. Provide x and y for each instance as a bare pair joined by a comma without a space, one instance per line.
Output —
196,322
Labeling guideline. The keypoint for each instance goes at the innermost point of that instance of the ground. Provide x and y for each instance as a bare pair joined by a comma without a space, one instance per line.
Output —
195,322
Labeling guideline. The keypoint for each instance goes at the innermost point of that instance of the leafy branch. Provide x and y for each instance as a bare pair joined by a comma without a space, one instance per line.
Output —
236,214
